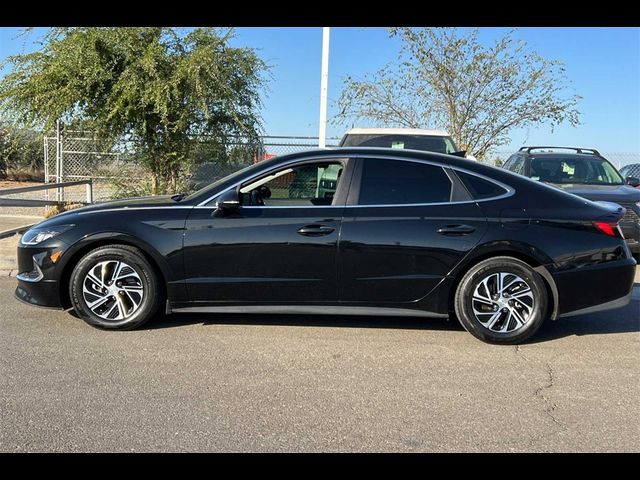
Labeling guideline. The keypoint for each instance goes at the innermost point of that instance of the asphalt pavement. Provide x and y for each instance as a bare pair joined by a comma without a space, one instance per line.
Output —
314,383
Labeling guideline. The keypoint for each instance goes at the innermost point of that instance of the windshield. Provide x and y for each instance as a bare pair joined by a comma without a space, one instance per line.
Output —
427,143
565,170
223,180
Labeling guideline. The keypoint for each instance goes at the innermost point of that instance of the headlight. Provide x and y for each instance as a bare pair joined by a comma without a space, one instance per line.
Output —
39,235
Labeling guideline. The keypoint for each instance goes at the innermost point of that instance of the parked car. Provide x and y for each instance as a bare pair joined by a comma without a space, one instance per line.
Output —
401,233
631,174
437,141
584,172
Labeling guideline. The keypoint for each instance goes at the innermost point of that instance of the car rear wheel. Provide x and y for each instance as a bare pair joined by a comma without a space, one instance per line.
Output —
115,287
501,300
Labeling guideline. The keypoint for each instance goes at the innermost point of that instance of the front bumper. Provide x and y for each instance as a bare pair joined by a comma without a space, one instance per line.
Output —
38,278
631,232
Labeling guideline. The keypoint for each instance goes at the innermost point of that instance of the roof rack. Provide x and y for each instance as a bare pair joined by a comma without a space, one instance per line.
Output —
592,151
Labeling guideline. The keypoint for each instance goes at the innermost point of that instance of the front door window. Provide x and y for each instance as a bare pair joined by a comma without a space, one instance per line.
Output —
306,185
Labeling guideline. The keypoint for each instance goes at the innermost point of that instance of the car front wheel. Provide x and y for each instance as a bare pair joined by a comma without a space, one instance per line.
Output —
501,300
115,287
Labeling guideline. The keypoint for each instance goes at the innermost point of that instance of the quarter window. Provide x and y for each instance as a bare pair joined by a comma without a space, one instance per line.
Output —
480,188
397,182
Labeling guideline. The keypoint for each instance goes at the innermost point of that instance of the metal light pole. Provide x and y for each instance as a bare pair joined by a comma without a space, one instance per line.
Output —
324,80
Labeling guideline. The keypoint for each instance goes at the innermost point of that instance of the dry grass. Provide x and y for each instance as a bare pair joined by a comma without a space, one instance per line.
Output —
24,175
52,210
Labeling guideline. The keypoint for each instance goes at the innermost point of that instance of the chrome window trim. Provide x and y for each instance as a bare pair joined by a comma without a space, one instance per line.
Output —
118,209
510,191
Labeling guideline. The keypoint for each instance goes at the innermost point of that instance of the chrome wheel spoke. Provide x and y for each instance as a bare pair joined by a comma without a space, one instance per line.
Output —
486,301
505,324
494,319
95,279
98,303
520,321
135,304
527,292
132,288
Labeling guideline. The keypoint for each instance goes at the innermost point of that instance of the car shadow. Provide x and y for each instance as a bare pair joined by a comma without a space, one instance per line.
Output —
621,320
293,320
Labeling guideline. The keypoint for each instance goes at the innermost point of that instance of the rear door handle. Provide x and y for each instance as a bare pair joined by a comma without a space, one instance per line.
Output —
456,230
315,230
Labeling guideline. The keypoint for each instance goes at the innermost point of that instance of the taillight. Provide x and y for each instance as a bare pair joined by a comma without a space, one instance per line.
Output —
609,228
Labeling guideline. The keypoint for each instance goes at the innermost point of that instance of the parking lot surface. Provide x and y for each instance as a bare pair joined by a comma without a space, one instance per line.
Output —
305,383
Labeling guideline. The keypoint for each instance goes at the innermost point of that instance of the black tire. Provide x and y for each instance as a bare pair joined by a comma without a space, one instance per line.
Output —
464,306
151,300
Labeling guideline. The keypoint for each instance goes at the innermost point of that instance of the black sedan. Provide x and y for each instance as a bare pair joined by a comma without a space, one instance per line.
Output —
347,231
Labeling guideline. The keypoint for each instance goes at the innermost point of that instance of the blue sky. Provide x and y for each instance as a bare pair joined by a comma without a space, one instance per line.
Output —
603,65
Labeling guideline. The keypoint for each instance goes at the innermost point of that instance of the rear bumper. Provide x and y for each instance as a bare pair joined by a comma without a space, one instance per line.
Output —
595,287
613,304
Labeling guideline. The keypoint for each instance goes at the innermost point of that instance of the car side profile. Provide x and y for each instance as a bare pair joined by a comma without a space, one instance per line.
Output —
361,231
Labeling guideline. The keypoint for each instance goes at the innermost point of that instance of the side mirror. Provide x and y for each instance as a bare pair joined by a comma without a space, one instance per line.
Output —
228,202
633,181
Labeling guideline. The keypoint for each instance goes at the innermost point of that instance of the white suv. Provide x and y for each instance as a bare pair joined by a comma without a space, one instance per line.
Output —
406,138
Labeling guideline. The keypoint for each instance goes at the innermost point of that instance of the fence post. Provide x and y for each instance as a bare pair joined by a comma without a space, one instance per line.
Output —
46,164
59,195
90,191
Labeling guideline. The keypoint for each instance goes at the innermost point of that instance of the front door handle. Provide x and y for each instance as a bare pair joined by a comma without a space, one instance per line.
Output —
315,230
456,230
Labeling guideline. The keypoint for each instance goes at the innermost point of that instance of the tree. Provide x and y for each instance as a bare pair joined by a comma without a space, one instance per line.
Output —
447,79
20,149
152,86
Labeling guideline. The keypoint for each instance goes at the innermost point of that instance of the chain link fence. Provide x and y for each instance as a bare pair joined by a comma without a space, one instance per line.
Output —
73,155
76,156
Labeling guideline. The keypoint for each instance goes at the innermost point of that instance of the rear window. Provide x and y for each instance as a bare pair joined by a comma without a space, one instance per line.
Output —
480,188
427,143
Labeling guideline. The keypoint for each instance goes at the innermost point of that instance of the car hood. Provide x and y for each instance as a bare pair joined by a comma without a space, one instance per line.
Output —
138,202
603,193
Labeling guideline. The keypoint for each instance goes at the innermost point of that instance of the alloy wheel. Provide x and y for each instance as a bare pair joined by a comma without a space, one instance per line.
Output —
113,290
503,302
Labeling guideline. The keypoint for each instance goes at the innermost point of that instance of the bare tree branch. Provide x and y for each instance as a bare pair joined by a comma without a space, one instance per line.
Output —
445,78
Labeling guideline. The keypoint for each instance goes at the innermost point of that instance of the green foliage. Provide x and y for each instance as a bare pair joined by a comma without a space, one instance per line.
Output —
445,78
153,86
20,149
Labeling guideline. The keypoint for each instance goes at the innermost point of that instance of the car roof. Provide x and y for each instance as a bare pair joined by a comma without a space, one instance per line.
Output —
581,156
397,131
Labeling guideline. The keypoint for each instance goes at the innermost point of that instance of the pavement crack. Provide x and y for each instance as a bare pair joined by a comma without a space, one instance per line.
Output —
540,395
550,406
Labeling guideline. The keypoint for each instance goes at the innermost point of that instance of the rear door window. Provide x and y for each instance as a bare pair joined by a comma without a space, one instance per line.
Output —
398,182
